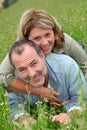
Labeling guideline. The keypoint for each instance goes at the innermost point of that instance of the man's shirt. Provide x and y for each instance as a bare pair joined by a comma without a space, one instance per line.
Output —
65,77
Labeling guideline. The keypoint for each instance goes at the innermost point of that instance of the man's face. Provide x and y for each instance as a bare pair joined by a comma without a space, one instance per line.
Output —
30,66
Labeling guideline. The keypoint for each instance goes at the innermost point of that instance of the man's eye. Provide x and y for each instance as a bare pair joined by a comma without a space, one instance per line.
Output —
34,63
22,70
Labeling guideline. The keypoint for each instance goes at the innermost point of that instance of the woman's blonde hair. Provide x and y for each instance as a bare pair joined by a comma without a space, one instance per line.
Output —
41,19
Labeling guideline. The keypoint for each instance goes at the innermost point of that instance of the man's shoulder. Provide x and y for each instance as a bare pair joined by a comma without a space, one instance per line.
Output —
62,59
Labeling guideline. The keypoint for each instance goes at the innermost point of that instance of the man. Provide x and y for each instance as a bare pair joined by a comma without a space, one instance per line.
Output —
59,72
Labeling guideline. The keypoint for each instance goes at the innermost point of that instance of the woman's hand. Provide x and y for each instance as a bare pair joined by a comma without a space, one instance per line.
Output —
62,118
51,95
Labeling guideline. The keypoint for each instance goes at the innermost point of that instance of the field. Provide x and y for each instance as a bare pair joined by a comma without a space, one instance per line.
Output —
71,15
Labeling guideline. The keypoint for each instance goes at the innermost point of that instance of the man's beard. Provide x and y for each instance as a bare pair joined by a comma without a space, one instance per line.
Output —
36,79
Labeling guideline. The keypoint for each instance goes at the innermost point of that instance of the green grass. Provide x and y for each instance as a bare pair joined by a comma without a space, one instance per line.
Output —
71,14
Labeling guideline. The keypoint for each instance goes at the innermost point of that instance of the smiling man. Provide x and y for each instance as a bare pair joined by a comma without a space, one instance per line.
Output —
59,72
30,66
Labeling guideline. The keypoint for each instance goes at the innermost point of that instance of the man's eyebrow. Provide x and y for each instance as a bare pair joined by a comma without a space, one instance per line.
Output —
29,64
33,61
21,68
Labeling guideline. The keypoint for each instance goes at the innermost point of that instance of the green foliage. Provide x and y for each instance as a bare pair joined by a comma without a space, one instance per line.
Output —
7,3
43,112
4,111
71,14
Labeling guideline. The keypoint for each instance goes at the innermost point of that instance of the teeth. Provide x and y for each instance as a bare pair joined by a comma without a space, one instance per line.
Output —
46,48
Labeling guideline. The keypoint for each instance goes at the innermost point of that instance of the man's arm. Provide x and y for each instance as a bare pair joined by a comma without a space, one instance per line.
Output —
18,112
77,88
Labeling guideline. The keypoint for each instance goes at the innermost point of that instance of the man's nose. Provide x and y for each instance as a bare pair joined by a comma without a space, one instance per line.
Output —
31,72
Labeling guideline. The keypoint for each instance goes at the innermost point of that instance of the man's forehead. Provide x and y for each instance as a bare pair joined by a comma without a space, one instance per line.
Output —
28,46
28,49
29,53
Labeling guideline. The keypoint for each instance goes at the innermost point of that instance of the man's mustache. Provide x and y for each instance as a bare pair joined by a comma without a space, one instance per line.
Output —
30,79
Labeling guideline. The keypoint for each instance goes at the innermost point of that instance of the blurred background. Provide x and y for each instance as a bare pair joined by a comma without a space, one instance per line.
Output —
71,15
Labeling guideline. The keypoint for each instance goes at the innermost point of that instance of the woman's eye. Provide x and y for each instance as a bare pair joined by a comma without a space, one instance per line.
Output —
37,38
48,35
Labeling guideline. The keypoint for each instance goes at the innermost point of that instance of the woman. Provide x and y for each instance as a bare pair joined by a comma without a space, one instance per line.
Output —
40,27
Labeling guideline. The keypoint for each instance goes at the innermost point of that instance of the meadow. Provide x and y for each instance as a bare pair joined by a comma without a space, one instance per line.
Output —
71,15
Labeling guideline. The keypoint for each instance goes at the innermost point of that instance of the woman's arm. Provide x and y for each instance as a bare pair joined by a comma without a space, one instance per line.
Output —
20,86
73,49
6,72
12,83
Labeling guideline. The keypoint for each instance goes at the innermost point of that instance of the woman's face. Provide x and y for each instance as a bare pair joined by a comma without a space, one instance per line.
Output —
44,38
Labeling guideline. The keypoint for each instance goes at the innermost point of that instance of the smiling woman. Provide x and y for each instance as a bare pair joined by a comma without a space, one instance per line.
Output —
44,38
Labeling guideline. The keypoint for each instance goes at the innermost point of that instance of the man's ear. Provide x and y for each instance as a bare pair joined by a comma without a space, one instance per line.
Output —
14,68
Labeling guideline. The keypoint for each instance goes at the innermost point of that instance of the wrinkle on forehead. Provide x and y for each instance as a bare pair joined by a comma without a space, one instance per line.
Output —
29,54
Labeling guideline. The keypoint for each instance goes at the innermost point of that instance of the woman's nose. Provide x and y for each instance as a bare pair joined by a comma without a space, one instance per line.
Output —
44,41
